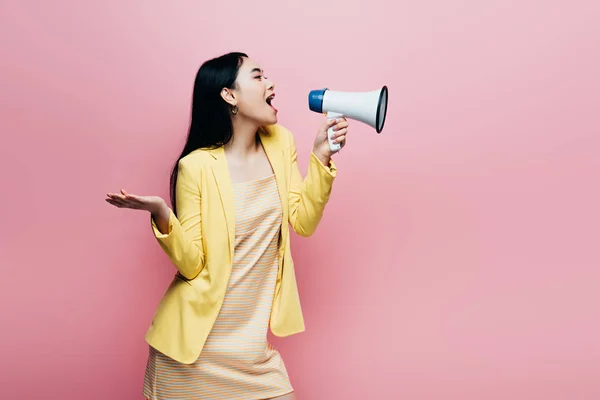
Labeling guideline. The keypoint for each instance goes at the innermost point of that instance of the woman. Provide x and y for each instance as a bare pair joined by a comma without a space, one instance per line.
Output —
235,190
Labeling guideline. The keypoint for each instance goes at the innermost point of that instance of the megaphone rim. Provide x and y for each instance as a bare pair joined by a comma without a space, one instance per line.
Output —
383,92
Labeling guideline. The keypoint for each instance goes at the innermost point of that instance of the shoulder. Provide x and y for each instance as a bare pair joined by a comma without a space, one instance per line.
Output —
198,156
195,161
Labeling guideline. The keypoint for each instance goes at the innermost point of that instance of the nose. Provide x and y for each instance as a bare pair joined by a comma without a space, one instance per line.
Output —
270,85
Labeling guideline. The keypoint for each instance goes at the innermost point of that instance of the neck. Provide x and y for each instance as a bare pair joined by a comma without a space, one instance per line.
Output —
243,141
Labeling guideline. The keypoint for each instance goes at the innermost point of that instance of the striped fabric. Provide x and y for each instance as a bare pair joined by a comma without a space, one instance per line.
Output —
237,361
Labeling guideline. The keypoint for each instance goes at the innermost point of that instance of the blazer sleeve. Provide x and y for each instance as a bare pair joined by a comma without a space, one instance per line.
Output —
183,241
308,196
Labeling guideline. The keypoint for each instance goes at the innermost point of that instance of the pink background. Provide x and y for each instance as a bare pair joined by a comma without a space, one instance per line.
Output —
459,255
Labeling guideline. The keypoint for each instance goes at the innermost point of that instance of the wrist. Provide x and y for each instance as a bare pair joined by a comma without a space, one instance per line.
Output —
160,210
325,159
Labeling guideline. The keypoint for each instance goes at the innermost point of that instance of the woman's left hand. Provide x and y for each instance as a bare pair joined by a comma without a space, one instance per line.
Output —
321,146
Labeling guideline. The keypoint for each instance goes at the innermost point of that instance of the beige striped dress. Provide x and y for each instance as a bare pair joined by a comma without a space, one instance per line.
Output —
237,362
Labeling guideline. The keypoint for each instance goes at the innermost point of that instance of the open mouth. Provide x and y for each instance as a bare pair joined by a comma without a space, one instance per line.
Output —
269,101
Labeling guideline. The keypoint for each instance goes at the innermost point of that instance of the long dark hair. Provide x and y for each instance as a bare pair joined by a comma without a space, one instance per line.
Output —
210,124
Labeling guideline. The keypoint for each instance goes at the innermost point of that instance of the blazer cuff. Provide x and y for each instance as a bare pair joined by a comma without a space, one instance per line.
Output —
157,233
330,169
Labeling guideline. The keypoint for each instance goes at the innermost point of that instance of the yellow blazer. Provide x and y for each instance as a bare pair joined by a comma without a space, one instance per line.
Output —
200,242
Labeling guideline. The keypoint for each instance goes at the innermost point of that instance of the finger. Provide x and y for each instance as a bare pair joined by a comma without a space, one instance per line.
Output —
340,139
120,199
340,133
114,203
329,123
116,196
117,200
133,198
341,125
129,196
123,204
127,199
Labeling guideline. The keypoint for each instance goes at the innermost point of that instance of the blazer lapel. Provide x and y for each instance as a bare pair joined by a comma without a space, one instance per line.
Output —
275,154
220,171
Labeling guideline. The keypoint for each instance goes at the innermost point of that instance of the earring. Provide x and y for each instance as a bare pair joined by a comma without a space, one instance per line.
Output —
234,110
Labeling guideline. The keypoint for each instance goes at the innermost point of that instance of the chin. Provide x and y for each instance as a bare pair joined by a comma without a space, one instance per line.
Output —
269,121
265,119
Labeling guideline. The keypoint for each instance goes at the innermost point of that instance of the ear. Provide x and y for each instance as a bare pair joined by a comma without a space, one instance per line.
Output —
228,95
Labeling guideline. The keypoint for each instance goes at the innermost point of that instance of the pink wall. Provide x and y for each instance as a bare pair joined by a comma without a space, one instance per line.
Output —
459,256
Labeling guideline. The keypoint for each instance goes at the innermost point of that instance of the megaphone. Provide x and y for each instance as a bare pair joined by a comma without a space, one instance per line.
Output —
367,107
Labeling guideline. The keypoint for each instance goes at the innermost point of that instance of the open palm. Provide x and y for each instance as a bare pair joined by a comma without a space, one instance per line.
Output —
126,200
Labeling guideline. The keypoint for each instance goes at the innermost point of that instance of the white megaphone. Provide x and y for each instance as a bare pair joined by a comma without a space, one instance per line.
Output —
367,107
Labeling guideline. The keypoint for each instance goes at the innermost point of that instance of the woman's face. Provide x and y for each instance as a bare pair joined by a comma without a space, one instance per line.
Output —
253,95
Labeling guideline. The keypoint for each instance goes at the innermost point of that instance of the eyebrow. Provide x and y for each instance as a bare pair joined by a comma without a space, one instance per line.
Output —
256,70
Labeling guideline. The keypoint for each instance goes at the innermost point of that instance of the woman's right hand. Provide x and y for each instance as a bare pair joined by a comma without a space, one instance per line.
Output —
154,204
